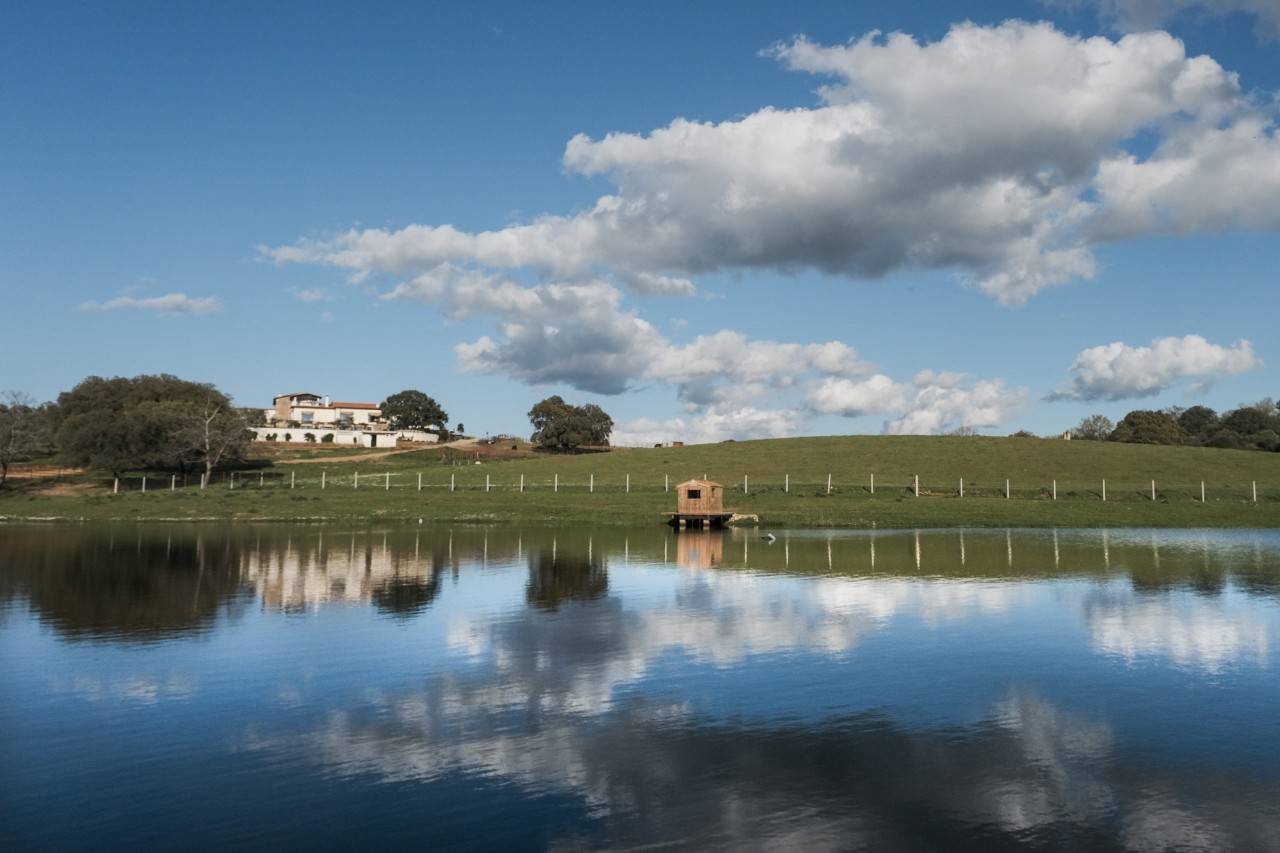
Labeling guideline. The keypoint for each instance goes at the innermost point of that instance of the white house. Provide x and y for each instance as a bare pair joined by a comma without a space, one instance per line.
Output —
306,409
305,418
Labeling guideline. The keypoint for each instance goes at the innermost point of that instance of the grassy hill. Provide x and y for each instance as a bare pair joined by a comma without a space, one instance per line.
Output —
1030,465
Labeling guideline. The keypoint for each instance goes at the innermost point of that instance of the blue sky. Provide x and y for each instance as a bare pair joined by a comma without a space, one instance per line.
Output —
234,192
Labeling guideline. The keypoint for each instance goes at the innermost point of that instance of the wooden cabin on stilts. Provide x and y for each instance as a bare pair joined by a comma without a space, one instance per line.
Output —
700,503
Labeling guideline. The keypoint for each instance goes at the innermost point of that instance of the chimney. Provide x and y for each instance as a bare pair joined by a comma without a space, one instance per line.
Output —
326,400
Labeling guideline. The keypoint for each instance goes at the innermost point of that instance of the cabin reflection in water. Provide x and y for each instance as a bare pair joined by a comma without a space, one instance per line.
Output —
699,549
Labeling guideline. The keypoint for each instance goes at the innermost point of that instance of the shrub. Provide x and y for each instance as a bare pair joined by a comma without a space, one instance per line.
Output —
310,437
1227,438
288,436
327,438
1267,439
1147,427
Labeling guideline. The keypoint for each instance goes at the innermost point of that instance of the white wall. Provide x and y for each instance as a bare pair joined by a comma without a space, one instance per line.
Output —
341,437
418,435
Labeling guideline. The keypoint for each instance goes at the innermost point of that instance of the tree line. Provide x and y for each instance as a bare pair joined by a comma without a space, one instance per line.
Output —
154,422
1250,427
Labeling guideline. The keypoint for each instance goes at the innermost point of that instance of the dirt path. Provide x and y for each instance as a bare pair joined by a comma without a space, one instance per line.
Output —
40,472
382,454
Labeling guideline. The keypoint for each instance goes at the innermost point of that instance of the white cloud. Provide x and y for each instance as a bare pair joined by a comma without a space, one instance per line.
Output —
998,152
732,386
313,294
1117,371
1139,15
582,335
170,303
876,395
716,423
933,403
940,408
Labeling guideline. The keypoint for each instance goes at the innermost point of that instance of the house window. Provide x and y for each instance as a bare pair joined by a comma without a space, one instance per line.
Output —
695,494
308,417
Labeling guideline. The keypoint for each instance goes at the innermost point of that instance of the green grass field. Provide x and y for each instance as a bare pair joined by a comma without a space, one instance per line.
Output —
387,488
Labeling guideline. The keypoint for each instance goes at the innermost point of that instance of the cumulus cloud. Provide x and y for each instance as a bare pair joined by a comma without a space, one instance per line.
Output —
998,152
170,303
583,336
1140,15
1117,371
932,403
716,423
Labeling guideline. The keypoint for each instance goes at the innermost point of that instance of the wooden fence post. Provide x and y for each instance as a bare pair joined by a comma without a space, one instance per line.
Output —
262,479
744,484
1255,491
144,484
355,480
387,486
628,484
231,481
555,486
419,481
451,483
522,484
962,487
666,482
1202,491
115,486
293,478
1153,490
173,482
1104,491
1006,489
1055,490
591,487
786,486
916,487
486,483
828,484
322,477
873,484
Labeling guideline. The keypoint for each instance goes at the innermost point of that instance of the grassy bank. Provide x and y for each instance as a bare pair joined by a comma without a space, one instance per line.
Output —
786,486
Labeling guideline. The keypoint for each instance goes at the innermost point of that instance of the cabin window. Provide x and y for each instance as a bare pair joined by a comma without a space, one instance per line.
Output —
695,494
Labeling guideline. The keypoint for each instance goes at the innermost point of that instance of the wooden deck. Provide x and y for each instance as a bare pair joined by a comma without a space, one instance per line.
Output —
699,519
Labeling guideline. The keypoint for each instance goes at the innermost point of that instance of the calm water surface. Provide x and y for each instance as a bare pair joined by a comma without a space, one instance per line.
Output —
289,687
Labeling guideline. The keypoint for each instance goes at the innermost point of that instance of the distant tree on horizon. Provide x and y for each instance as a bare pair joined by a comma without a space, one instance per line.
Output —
1093,428
23,430
1145,426
412,409
558,425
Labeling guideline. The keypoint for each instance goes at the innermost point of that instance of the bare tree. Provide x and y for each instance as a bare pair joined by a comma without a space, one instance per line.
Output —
214,431
22,433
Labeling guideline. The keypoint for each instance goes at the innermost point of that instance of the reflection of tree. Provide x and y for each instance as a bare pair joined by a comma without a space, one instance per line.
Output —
407,595
555,577
134,586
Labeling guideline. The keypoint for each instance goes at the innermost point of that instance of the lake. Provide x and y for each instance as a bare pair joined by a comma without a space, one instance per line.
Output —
180,687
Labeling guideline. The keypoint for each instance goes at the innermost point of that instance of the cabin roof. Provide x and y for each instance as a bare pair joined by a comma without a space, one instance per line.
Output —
698,483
